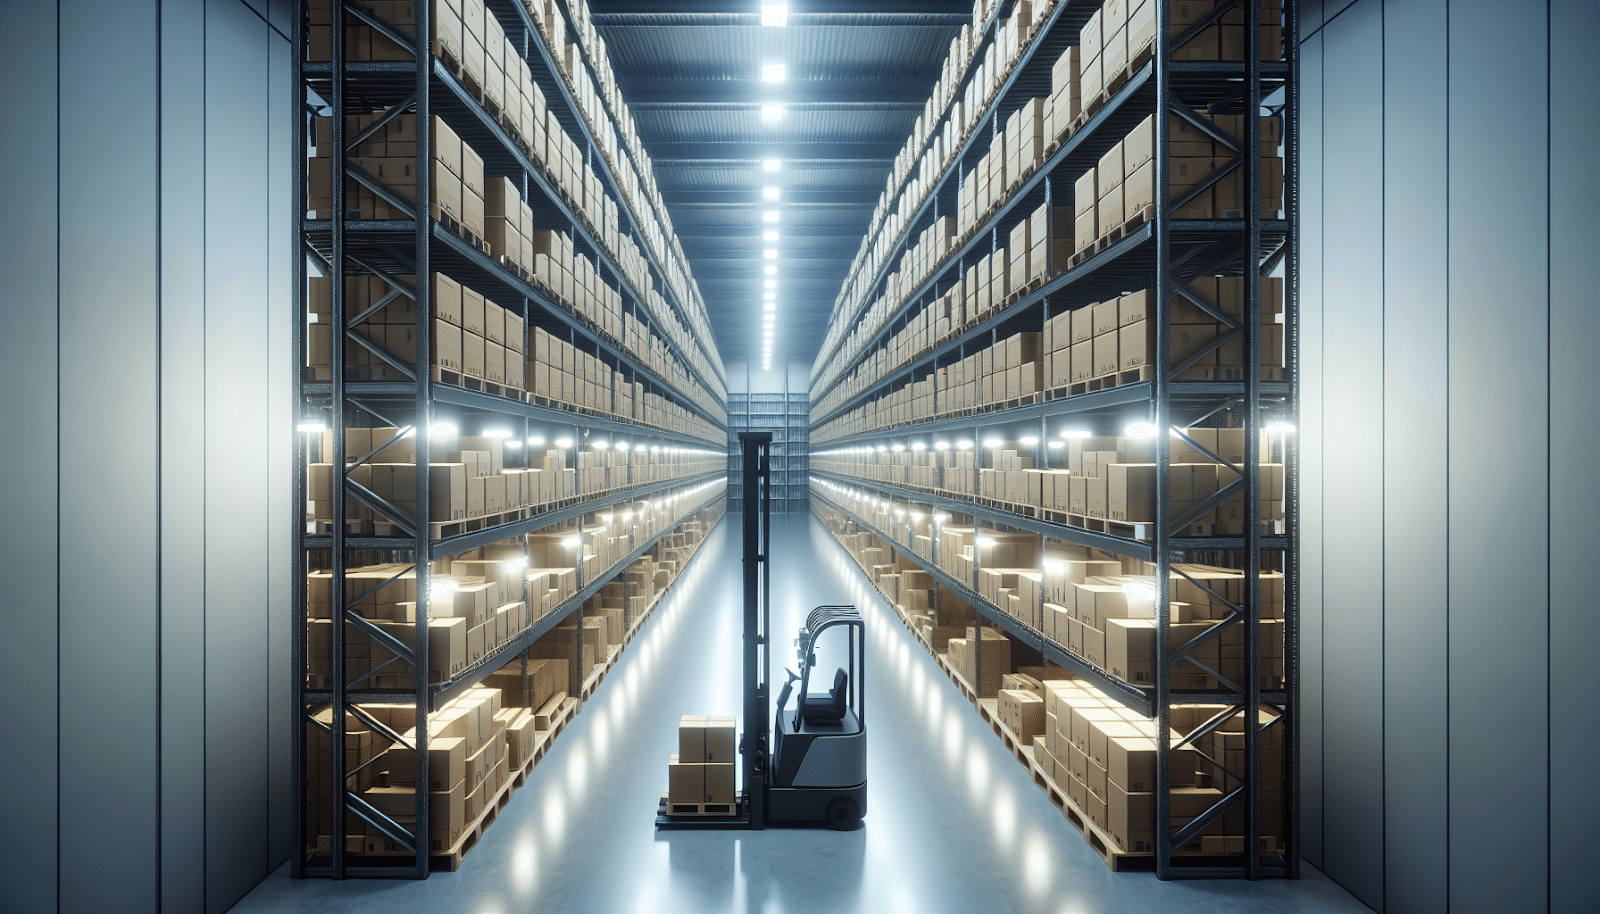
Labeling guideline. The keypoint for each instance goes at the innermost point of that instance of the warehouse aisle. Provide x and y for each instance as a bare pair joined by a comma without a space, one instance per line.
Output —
953,822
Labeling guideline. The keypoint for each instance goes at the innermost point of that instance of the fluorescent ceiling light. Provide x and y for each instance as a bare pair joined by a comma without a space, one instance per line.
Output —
992,442
563,442
772,113
771,164
773,73
771,306
770,215
536,441
769,296
771,270
1030,440
771,283
312,427
769,235
769,193
770,253
775,14
1075,433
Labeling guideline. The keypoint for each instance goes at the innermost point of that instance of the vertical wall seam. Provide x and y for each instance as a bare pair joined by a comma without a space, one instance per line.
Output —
205,534
1549,459
1322,445
160,823
1448,691
1383,450
58,456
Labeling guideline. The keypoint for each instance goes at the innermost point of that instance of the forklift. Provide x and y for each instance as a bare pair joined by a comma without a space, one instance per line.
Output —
812,770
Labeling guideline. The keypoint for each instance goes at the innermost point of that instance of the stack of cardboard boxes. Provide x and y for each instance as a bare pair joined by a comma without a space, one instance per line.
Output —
468,767
472,40
469,335
1100,753
701,774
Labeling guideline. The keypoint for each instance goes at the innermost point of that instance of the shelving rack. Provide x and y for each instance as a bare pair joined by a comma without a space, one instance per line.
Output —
1165,254
785,416
417,246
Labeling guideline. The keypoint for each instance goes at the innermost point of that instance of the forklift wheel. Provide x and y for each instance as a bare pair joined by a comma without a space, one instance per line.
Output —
843,814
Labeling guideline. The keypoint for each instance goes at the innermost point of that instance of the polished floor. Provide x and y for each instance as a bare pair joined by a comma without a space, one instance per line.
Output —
953,823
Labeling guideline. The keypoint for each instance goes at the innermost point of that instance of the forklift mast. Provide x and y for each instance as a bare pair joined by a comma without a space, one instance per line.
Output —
757,525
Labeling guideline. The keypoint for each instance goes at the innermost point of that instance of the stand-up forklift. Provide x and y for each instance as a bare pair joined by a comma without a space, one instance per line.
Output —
813,769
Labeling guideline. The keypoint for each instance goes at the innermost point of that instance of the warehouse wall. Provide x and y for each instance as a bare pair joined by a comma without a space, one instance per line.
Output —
1446,430
145,358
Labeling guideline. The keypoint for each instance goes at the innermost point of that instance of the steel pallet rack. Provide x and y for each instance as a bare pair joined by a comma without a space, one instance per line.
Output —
1165,254
783,415
417,246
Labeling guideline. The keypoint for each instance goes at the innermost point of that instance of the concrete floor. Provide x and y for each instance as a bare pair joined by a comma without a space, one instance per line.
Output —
953,822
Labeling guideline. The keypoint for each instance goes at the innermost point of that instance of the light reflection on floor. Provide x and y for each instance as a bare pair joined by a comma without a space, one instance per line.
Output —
953,823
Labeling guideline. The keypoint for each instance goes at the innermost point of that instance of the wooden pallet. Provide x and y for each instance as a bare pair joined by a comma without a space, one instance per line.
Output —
600,670
698,809
1115,379
543,740
1099,841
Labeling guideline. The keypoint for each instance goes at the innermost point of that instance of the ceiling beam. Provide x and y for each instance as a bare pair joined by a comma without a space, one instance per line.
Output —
792,199
744,12
754,164
645,94
802,154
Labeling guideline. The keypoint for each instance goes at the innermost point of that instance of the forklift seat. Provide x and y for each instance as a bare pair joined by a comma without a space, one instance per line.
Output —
829,708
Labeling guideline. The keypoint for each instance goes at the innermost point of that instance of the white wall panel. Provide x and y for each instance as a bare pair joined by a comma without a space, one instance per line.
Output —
1311,447
1352,403
108,469
1574,440
1499,533
235,451
1415,432
28,537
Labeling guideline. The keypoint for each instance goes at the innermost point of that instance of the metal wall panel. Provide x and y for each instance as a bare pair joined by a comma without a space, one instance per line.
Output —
1574,440
234,455
1353,510
108,389
1415,437
28,538
183,494
1499,432
280,451
1310,438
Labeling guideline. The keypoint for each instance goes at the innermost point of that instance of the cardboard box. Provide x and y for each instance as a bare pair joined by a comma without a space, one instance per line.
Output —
719,782
686,781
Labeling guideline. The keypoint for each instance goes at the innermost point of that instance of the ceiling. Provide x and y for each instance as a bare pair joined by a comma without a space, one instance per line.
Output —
857,73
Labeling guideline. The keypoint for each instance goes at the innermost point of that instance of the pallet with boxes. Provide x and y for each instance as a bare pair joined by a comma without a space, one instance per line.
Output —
701,775
470,484
1093,347
489,209
1093,757
1105,478
483,744
1111,199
